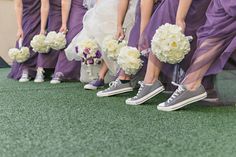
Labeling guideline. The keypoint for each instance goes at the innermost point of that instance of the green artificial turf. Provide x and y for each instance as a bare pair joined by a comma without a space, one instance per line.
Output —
43,120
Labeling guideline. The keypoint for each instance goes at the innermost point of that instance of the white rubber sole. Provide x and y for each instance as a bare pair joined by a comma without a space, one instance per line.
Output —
183,103
55,82
120,91
90,87
146,97
23,81
38,81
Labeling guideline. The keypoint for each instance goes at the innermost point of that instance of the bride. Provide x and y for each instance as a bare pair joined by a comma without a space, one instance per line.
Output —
99,22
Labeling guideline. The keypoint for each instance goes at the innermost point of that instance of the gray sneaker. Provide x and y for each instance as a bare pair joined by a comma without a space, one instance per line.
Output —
115,88
145,93
182,97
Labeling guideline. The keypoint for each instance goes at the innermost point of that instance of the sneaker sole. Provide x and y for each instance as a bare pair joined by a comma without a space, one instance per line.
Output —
95,88
146,97
38,81
23,81
121,91
55,82
183,103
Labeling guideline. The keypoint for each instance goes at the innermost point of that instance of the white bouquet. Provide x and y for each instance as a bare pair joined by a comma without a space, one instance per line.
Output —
169,44
129,60
23,55
112,47
88,51
12,53
56,41
19,55
39,45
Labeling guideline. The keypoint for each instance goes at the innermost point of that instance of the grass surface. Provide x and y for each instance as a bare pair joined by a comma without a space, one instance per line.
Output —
43,120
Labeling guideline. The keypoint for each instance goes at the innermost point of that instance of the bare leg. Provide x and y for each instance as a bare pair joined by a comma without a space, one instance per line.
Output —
146,7
153,69
103,71
40,69
194,78
146,13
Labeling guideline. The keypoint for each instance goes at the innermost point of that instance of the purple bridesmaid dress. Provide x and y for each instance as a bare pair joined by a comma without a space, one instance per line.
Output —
31,27
166,13
134,42
49,60
216,40
70,70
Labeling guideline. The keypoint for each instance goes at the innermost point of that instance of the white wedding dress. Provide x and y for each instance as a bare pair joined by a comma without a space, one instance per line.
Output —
98,23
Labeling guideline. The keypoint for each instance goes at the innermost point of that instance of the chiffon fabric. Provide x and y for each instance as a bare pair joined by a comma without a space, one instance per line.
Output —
31,27
100,22
65,69
49,60
134,40
166,13
216,42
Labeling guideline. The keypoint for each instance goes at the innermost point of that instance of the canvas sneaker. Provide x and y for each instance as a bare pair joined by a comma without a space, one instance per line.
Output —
95,84
57,78
24,77
145,93
115,88
39,76
182,97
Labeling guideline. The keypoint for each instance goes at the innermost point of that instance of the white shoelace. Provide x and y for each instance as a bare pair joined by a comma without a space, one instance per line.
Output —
58,76
141,83
24,75
113,84
176,93
39,74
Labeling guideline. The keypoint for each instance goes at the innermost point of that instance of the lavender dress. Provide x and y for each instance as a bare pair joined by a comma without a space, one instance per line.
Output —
49,60
216,41
166,13
70,70
134,42
31,27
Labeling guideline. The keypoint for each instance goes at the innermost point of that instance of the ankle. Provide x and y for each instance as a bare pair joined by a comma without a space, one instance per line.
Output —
25,71
192,87
151,80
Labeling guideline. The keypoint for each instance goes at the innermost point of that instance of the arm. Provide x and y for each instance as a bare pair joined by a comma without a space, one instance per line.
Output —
182,12
19,12
122,10
44,15
65,4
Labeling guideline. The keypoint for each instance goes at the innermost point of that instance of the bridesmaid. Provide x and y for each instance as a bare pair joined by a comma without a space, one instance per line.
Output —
180,12
187,15
51,20
70,70
141,21
28,22
216,45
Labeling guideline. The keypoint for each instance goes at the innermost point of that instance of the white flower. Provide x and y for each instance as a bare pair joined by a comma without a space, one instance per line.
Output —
112,47
129,60
88,46
13,52
56,41
88,51
39,45
169,44
23,55
19,55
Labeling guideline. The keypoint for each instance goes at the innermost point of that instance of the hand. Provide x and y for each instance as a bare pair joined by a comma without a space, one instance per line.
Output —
20,34
120,34
42,32
181,24
63,29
